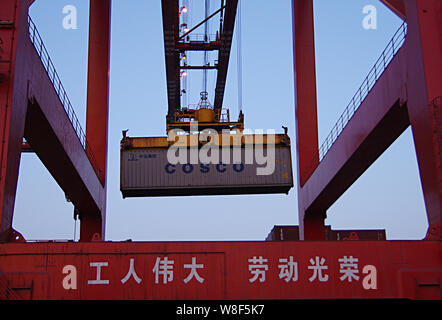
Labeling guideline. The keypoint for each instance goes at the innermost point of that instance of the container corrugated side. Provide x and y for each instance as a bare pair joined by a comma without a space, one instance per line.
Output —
147,172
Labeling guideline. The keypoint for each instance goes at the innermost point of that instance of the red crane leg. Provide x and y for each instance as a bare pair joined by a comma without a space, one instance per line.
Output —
424,86
13,103
97,104
311,226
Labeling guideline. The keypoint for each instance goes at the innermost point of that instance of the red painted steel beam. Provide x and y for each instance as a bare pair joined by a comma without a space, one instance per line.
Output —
13,102
26,148
224,52
306,112
31,107
397,6
98,82
98,104
226,270
424,61
379,120
51,135
171,26
53,139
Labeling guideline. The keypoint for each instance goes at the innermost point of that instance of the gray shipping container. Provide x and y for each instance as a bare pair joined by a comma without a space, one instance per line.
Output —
147,172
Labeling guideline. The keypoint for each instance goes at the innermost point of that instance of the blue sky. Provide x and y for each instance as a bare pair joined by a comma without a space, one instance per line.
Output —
388,195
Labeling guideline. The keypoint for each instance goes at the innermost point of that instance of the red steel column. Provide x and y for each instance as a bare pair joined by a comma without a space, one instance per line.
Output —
424,85
13,104
97,104
311,225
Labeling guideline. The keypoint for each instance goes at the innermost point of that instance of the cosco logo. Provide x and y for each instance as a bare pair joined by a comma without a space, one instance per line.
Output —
203,168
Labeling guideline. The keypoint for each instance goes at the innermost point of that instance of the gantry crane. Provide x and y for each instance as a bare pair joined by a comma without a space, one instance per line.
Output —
405,91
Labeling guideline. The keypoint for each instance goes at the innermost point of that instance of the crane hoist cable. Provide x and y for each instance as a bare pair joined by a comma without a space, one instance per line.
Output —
206,35
239,56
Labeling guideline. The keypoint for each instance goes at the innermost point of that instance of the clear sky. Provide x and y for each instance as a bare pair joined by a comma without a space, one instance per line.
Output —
387,196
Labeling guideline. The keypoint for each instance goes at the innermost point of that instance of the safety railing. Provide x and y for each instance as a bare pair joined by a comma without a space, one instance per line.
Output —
37,41
200,37
375,73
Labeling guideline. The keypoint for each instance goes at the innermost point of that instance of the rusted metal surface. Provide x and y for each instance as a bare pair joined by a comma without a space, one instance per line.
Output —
223,270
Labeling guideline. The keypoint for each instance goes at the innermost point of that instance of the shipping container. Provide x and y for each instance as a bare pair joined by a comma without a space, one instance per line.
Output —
358,235
146,171
283,233
291,233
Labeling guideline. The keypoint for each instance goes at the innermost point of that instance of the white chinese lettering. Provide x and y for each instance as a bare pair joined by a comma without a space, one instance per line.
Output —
193,272
130,273
289,269
349,268
258,269
98,279
318,266
163,267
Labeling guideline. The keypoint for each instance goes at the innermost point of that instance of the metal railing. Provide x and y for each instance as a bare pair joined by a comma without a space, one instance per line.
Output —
375,73
199,37
37,41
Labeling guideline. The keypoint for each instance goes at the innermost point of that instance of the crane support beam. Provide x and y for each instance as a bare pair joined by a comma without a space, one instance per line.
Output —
198,67
424,62
198,46
31,107
98,105
201,23
53,139
408,92
224,52
173,45
380,119
171,33
397,6
306,112
13,103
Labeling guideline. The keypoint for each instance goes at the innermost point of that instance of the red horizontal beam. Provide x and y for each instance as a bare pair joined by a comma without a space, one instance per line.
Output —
397,6
379,120
224,270
53,138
